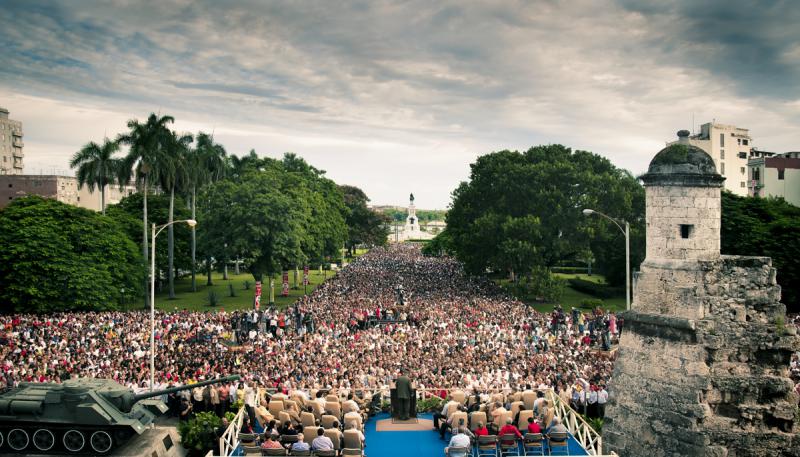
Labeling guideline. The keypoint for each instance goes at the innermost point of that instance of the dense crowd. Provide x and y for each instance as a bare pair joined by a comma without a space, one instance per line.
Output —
390,308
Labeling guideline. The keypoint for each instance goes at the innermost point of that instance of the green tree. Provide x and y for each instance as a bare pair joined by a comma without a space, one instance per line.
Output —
97,167
147,144
127,214
520,210
57,257
173,172
364,226
765,227
205,164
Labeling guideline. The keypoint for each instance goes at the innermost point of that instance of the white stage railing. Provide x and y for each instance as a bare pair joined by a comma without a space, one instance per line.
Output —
579,428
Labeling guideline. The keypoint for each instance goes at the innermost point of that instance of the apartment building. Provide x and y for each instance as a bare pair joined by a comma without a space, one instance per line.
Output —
775,175
61,188
10,145
730,148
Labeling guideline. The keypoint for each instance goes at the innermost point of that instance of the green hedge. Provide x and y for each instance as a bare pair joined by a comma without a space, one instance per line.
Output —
569,270
594,289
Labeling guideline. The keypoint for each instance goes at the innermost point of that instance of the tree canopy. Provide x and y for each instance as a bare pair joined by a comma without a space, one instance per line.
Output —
521,210
58,257
364,226
765,227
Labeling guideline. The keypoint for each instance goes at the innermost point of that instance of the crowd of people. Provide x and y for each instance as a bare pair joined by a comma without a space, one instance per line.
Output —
351,334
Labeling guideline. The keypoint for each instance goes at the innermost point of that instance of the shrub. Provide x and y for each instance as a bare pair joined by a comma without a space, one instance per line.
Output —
213,299
545,286
430,404
569,270
198,434
591,303
236,406
247,285
230,415
594,289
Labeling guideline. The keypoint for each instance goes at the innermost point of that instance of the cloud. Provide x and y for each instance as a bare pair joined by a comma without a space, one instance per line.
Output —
401,96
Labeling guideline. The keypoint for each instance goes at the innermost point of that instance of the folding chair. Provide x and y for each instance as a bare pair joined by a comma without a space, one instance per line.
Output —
533,444
558,442
251,450
324,453
508,444
247,438
458,451
307,419
332,397
335,408
275,451
288,440
306,452
475,417
487,445
459,396
351,451
522,423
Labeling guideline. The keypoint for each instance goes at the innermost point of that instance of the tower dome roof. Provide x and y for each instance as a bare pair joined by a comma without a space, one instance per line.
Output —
682,164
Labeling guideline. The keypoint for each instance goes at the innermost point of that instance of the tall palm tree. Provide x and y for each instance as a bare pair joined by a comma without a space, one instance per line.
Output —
205,164
97,167
174,174
147,143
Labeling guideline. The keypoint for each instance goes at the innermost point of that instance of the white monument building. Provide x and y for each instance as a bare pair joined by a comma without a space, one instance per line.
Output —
411,230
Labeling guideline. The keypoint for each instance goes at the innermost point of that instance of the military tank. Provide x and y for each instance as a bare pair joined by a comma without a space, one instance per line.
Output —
79,416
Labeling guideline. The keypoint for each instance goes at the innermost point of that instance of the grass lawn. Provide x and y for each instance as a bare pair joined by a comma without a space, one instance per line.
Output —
198,301
571,296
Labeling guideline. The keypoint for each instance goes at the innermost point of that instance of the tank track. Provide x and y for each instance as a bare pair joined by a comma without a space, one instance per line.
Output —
27,438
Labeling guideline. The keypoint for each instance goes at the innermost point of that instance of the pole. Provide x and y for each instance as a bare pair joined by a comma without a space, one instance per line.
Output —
153,308
627,266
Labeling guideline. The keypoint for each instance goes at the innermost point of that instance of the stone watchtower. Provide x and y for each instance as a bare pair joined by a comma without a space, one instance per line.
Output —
704,356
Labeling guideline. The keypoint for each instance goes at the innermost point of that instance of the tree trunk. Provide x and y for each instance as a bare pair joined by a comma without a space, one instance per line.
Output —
103,199
236,266
194,240
171,245
145,252
208,271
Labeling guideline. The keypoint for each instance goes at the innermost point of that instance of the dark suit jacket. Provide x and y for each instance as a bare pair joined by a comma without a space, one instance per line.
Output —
403,386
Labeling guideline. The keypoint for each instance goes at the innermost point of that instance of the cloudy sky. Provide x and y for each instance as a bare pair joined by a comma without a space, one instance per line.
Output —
398,97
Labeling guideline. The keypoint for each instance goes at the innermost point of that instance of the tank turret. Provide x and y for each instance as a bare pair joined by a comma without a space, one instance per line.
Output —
78,416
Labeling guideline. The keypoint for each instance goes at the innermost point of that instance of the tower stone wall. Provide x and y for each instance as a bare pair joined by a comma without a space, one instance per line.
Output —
704,357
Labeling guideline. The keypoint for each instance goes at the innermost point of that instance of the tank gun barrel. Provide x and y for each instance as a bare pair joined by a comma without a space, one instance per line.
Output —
156,393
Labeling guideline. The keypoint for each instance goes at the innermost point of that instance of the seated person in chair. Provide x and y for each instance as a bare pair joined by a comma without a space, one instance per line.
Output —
322,442
509,429
481,430
533,427
459,440
557,427
271,443
300,445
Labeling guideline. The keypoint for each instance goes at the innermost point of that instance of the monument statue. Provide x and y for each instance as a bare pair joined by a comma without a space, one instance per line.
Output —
412,197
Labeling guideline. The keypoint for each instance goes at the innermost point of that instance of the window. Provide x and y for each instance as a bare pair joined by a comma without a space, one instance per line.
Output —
686,230
722,140
780,173
741,170
722,154
738,141
744,142
722,168
756,174
742,155
742,184
10,185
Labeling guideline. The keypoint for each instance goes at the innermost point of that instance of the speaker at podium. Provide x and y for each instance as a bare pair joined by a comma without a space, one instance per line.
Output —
397,406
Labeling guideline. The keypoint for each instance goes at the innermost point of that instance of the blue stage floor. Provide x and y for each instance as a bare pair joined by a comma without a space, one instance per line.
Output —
417,444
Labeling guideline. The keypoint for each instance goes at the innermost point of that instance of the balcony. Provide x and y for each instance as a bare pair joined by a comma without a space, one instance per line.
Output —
17,142
18,154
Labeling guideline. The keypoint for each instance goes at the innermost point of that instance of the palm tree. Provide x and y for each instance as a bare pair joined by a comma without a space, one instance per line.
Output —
173,174
97,167
146,143
205,164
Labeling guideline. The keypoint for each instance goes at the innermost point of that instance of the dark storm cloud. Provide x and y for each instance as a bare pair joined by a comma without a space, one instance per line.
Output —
404,83
753,44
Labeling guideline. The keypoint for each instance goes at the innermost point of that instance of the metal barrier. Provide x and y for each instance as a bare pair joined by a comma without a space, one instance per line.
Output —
579,428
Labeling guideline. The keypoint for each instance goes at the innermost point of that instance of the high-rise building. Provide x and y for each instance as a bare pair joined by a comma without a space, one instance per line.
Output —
729,146
62,188
10,145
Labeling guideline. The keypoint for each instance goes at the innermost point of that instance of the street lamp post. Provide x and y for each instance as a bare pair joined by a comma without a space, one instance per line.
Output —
155,231
627,232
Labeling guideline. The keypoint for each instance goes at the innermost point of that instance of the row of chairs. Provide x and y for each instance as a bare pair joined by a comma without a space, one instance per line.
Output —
255,450
532,444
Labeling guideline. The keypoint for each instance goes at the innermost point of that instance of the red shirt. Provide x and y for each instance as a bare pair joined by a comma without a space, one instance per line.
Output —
481,431
533,427
509,429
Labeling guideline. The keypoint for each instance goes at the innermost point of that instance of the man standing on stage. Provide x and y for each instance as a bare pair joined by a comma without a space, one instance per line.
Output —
403,389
